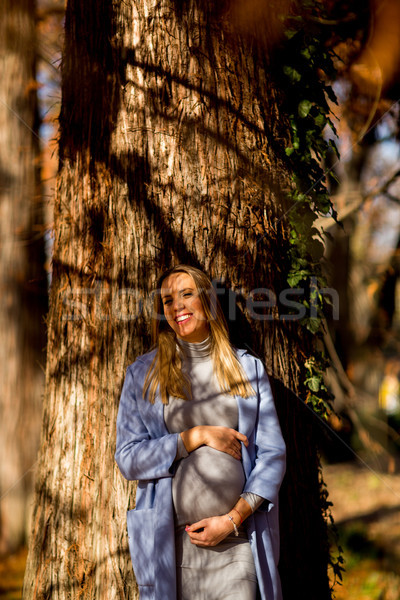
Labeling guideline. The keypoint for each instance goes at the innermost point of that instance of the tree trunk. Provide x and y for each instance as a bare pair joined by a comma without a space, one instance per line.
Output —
23,281
172,149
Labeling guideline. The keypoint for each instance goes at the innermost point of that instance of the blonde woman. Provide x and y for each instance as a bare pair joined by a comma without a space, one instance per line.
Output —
197,428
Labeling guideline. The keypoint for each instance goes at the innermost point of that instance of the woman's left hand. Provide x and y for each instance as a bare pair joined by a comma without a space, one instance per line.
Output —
210,531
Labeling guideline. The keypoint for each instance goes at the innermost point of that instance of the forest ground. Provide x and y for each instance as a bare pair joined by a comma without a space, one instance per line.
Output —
366,509
367,513
12,575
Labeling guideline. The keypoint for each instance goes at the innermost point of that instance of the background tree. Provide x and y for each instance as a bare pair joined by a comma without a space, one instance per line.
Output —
362,253
173,134
23,281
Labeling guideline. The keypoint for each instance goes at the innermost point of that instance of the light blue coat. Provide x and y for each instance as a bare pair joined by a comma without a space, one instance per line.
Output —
146,452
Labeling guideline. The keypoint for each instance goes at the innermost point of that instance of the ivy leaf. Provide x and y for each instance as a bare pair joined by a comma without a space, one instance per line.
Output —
313,325
299,263
320,120
295,278
289,33
304,108
292,73
308,51
313,383
323,204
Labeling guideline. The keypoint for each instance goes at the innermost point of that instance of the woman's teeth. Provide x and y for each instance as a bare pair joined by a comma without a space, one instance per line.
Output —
182,318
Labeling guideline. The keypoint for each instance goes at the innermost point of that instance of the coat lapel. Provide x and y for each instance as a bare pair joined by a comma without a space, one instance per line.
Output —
247,408
247,419
153,416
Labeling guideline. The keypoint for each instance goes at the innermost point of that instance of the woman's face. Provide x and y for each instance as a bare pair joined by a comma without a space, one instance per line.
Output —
183,308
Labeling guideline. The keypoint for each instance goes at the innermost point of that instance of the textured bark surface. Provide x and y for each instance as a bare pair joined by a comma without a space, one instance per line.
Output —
171,149
23,300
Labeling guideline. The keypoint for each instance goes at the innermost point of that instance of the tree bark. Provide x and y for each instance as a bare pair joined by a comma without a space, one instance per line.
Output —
172,149
23,281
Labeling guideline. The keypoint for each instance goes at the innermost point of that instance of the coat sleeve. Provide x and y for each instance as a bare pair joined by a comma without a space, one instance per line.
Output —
270,450
139,456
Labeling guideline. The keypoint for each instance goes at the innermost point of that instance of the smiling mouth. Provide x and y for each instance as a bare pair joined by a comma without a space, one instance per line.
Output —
182,318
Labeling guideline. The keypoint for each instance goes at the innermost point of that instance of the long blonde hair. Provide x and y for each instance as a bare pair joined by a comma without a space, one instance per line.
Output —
165,370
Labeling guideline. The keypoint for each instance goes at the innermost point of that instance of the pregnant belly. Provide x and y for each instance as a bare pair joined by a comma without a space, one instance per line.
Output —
206,483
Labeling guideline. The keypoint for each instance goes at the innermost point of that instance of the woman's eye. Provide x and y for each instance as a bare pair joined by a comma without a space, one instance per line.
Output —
166,302
188,294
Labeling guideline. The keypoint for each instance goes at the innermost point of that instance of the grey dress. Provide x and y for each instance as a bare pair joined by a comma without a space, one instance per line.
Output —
207,483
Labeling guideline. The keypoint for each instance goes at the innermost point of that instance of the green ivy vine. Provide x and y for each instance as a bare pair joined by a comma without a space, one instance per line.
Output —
306,65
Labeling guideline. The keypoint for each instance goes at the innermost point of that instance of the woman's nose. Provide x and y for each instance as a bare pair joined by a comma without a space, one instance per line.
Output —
177,303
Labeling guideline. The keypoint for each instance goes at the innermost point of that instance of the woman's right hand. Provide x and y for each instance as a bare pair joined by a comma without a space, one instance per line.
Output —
224,439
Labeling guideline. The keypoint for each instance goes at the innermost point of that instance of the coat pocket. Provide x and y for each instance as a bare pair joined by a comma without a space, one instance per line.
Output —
141,544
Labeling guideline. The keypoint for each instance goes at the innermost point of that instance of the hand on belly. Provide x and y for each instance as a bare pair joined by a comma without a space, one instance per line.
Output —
206,483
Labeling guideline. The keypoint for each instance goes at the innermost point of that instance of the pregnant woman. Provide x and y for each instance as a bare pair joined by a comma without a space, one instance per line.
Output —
197,428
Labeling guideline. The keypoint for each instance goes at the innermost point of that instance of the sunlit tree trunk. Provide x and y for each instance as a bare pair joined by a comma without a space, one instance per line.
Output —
22,278
172,149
